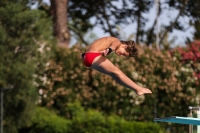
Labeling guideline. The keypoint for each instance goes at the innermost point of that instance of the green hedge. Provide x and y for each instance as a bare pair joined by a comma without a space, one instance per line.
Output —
113,125
47,122
89,121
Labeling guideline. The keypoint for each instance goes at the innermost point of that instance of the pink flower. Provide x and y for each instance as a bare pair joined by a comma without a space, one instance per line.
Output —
197,55
197,75
188,56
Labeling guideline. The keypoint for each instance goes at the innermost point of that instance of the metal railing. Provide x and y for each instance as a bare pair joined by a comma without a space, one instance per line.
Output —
191,108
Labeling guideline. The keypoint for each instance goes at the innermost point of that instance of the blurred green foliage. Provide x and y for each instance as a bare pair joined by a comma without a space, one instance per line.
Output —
25,48
46,121
89,121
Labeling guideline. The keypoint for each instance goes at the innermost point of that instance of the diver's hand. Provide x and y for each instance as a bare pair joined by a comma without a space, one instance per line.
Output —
104,52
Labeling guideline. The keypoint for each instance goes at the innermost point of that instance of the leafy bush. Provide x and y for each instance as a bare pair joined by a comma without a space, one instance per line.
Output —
47,122
190,56
82,121
93,120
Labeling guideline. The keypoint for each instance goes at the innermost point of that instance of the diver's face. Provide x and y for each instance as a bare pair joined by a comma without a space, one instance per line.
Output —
121,50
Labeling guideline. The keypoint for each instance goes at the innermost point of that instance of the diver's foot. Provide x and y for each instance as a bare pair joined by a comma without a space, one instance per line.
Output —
143,91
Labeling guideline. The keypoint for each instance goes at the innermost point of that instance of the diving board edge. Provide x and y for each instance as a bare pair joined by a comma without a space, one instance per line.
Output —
179,120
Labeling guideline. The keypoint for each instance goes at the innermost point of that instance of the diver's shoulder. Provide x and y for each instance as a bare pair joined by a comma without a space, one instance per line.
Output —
108,38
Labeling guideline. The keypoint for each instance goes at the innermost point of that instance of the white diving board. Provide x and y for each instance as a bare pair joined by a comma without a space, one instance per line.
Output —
179,120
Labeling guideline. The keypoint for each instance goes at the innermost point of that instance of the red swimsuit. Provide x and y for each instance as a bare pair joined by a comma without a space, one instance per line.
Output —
89,57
